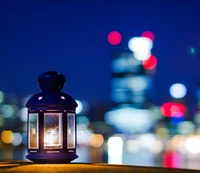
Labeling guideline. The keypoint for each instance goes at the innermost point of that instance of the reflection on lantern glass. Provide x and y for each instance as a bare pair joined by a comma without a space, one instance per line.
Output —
33,131
70,130
53,131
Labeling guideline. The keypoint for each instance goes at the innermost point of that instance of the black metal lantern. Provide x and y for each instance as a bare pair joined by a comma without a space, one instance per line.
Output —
51,122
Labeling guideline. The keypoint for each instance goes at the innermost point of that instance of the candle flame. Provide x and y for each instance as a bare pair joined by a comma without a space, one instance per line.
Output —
50,136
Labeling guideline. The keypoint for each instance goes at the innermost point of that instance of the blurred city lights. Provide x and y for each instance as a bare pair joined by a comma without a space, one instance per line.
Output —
115,144
172,159
125,63
83,120
156,112
192,144
151,142
1,97
17,139
186,128
129,119
83,134
136,83
141,46
7,136
171,109
197,117
114,37
23,114
8,111
142,55
24,139
150,63
162,132
133,145
149,35
192,50
96,140
178,90
79,107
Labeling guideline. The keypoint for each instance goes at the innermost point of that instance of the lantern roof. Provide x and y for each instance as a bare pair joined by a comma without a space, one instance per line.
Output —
51,84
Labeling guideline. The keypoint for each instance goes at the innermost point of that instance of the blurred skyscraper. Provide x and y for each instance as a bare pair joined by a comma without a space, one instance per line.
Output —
130,99
129,82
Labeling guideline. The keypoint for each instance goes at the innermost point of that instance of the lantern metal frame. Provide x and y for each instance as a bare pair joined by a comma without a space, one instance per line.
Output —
51,100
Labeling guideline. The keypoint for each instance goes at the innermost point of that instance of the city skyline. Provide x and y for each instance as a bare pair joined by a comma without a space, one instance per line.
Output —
71,38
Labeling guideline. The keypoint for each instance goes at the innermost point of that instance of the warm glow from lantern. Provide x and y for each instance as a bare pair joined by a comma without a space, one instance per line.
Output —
52,130
50,137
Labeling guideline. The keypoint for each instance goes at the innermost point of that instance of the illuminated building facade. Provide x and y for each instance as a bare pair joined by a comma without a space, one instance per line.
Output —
130,82
130,86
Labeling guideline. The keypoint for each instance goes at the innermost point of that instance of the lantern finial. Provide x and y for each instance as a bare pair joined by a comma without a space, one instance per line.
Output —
51,80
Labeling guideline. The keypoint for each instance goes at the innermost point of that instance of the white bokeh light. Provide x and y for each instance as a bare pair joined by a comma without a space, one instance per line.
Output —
178,90
141,46
142,56
79,107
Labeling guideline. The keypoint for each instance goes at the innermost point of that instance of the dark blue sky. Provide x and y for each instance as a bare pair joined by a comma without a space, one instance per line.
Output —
71,37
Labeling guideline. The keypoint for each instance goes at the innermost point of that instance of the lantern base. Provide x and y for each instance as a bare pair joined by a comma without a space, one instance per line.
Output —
51,158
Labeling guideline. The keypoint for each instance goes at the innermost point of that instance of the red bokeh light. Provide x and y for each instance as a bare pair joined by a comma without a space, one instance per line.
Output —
149,35
114,37
171,109
173,159
150,63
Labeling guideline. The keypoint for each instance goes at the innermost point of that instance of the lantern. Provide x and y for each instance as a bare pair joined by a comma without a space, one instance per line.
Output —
51,122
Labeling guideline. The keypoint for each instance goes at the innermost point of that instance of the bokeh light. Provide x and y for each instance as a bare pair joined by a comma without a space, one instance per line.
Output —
178,90
192,50
141,47
133,145
171,109
192,144
186,128
7,136
79,107
17,139
115,144
8,111
142,55
23,114
140,44
148,34
1,96
114,37
150,63
96,140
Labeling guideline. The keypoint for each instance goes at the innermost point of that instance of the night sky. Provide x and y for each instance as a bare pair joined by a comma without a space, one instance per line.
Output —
71,37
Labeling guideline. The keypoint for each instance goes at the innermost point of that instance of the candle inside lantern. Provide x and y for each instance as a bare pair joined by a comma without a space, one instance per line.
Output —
53,131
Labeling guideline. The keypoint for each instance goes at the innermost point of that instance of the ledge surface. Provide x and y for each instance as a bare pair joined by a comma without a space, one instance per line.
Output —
22,166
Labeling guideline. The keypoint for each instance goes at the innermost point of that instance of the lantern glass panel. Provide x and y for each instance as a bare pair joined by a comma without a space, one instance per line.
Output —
33,131
53,131
71,130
